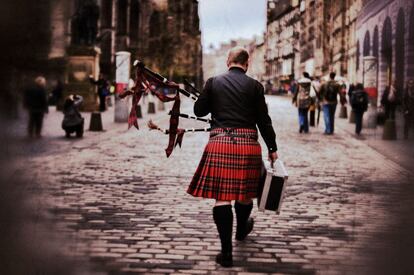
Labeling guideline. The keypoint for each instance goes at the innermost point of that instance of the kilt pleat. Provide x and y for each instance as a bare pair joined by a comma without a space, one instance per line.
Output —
228,170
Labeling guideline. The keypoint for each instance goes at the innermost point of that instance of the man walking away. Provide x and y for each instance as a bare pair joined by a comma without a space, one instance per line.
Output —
408,107
103,90
303,101
35,101
359,103
230,167
329,98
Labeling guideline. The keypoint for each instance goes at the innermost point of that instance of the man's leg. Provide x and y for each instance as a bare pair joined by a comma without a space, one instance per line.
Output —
301,118
305,122
30,125
407,123
332,110
326,118
358,122
38,124
223,218
312,118
244,223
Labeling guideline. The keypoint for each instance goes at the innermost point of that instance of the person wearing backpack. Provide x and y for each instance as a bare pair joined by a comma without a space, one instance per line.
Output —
303,101
329,99
359,104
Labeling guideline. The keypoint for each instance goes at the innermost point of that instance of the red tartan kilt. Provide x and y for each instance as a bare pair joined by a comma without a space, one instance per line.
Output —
228,170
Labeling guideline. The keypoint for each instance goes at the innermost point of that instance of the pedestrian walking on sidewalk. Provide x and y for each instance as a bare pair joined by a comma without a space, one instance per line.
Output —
303,101
329,98
36,103
103,90
359,104
408,108
73,121
389,100
229,169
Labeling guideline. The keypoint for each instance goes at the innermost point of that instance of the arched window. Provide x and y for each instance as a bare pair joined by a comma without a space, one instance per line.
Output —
386,50
134,21
122,17
358,53
412,26
400,50
375,42
367,44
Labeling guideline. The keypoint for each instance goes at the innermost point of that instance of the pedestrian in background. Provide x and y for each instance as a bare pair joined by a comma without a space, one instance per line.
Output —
408,108
389,101
359,104
303,101
231,163
103,90
56,93
329,98
314,99
36,103
73,120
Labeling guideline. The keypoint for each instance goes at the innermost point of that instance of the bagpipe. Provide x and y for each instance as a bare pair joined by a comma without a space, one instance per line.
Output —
148,81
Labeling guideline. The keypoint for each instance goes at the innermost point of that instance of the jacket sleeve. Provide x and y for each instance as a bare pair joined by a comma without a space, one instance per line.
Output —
202,106
264,121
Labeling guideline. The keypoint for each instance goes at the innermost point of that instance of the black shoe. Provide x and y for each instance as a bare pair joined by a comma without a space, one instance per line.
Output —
224,259
241,235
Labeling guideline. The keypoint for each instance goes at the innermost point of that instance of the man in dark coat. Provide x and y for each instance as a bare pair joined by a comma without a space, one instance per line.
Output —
359,103
103,90
230,167
329,98
408,108
35,101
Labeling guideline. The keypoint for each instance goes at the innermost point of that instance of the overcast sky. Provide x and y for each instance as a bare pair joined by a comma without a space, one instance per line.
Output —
222,20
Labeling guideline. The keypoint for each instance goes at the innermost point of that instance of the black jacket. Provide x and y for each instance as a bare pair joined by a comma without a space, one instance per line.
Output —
236,100
35,99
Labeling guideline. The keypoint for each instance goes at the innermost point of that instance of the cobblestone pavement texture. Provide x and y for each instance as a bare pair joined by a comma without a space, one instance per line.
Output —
122,204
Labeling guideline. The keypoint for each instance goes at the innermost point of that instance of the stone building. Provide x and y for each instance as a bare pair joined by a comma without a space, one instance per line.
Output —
164,34
257,68
315,35
281,56
385,31
215,61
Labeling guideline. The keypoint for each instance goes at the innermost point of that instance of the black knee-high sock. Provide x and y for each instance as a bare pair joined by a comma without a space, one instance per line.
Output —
223,217
242,215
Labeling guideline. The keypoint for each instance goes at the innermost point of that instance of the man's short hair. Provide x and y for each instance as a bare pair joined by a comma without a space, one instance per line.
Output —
332,75
238,55
40,81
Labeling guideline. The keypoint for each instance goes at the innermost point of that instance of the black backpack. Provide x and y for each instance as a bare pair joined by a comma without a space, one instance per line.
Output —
359,100
331,92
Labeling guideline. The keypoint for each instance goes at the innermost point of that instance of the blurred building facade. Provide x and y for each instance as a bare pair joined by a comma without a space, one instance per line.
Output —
281,43
215,60
165,34
385,31
338,36
257,68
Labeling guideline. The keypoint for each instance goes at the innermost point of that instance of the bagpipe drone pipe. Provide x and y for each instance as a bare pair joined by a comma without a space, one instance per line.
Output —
148,81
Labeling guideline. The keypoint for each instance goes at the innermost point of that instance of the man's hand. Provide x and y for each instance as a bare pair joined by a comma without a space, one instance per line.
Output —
273,157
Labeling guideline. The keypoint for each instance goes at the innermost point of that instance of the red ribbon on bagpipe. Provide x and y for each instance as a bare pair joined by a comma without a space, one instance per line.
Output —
147,81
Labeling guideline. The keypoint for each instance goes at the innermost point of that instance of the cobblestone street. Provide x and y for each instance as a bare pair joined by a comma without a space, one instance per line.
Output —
123,205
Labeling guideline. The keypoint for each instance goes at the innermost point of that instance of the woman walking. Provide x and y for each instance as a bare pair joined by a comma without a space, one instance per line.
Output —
229,169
